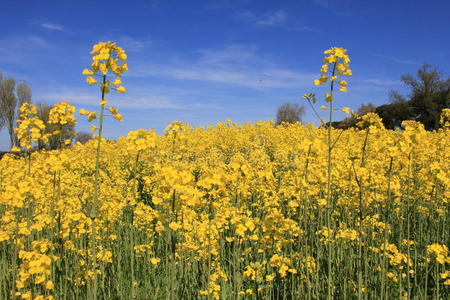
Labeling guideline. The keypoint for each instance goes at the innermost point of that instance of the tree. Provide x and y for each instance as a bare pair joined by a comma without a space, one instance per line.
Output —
365,109
43,112
8,107
2,119
83,137
352,120
11,98
289,113
396,112
23,93
429,95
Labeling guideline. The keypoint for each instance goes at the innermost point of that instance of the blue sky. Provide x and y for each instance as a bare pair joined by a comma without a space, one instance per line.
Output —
206,61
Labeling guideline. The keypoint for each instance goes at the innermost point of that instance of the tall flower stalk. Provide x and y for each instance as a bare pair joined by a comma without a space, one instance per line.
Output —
336,64
108,60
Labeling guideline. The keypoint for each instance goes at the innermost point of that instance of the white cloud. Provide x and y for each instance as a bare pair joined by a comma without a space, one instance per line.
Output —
137,97
121,101
279,18
233,53
134,44
323,3
382,81
274,18
52,26
236,65
13,48
297,26
397,60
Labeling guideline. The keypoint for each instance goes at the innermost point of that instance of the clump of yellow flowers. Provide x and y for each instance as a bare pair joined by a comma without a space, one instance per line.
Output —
108,59
62,115
30,128
335,64
228,211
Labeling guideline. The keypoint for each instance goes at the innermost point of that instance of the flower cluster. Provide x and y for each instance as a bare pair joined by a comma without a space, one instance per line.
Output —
62,116
335,64
34,271
30,128
445,118
108,58
62,113
440,252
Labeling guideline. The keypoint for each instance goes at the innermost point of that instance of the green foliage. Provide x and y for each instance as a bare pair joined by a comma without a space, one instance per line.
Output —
429,95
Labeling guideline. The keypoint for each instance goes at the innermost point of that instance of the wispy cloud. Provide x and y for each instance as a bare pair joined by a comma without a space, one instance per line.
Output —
236,65
339,7
272,19
396,59
297,26
382,81
14,48
279,18
134,44
137,97
74,96
229,54
323,3
52,26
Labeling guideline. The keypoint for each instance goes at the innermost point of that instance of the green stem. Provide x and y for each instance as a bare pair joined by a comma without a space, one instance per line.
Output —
330,208
94,204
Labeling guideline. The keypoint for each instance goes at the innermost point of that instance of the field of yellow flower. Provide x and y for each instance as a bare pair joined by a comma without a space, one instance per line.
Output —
252,211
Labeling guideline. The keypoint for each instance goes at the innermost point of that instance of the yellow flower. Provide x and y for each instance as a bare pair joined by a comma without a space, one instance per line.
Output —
92,116
88,72
328,97
270,277
155,260
121,89
49,285
343,83
26,295
117,81
91,80
118,117
346,110
39,279
174,226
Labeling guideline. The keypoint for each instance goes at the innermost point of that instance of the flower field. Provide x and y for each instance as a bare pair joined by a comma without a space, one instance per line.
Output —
251,211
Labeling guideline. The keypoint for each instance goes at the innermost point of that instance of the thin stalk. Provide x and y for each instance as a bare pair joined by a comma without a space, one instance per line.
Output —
330,208
94,204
